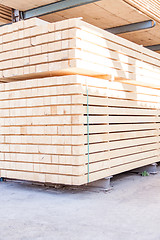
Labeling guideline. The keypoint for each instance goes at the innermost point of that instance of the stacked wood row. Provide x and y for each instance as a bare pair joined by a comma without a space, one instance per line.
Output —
5,14
75,129
73,47
149,7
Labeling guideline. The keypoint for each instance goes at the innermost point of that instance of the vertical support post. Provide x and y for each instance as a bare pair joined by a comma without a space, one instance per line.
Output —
102,184
17,15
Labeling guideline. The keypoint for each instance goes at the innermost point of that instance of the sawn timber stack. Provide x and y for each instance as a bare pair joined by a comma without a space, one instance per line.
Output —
75,129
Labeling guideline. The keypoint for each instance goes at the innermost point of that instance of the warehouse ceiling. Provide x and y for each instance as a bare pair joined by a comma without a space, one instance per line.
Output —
27,4
103,14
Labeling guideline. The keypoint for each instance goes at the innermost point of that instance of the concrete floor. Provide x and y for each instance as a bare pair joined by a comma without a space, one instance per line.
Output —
130,211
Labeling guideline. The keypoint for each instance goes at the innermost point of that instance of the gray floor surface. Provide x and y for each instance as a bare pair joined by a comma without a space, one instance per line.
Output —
130,211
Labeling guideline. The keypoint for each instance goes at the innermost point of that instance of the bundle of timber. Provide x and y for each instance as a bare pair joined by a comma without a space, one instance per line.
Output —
75,129
5,14
149,7
73,47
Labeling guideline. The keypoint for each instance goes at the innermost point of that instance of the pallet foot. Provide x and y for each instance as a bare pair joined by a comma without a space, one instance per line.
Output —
102,184
151,169
1,179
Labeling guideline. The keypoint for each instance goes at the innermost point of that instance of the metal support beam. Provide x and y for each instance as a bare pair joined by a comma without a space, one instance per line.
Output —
55,7
16,15
102,184
1,179
154,47
151,169
132,27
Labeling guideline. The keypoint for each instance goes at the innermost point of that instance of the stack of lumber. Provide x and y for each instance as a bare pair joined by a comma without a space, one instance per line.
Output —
5,14
75,129
101,119
123,126
73,47
41,137
149,7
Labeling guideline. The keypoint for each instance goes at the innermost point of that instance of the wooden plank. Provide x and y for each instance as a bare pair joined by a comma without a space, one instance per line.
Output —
119,119
133,150
118,127
132,158
75,140
129,142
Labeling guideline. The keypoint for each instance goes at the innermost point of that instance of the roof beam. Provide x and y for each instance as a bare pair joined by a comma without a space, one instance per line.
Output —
55,7
154,47
132,27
